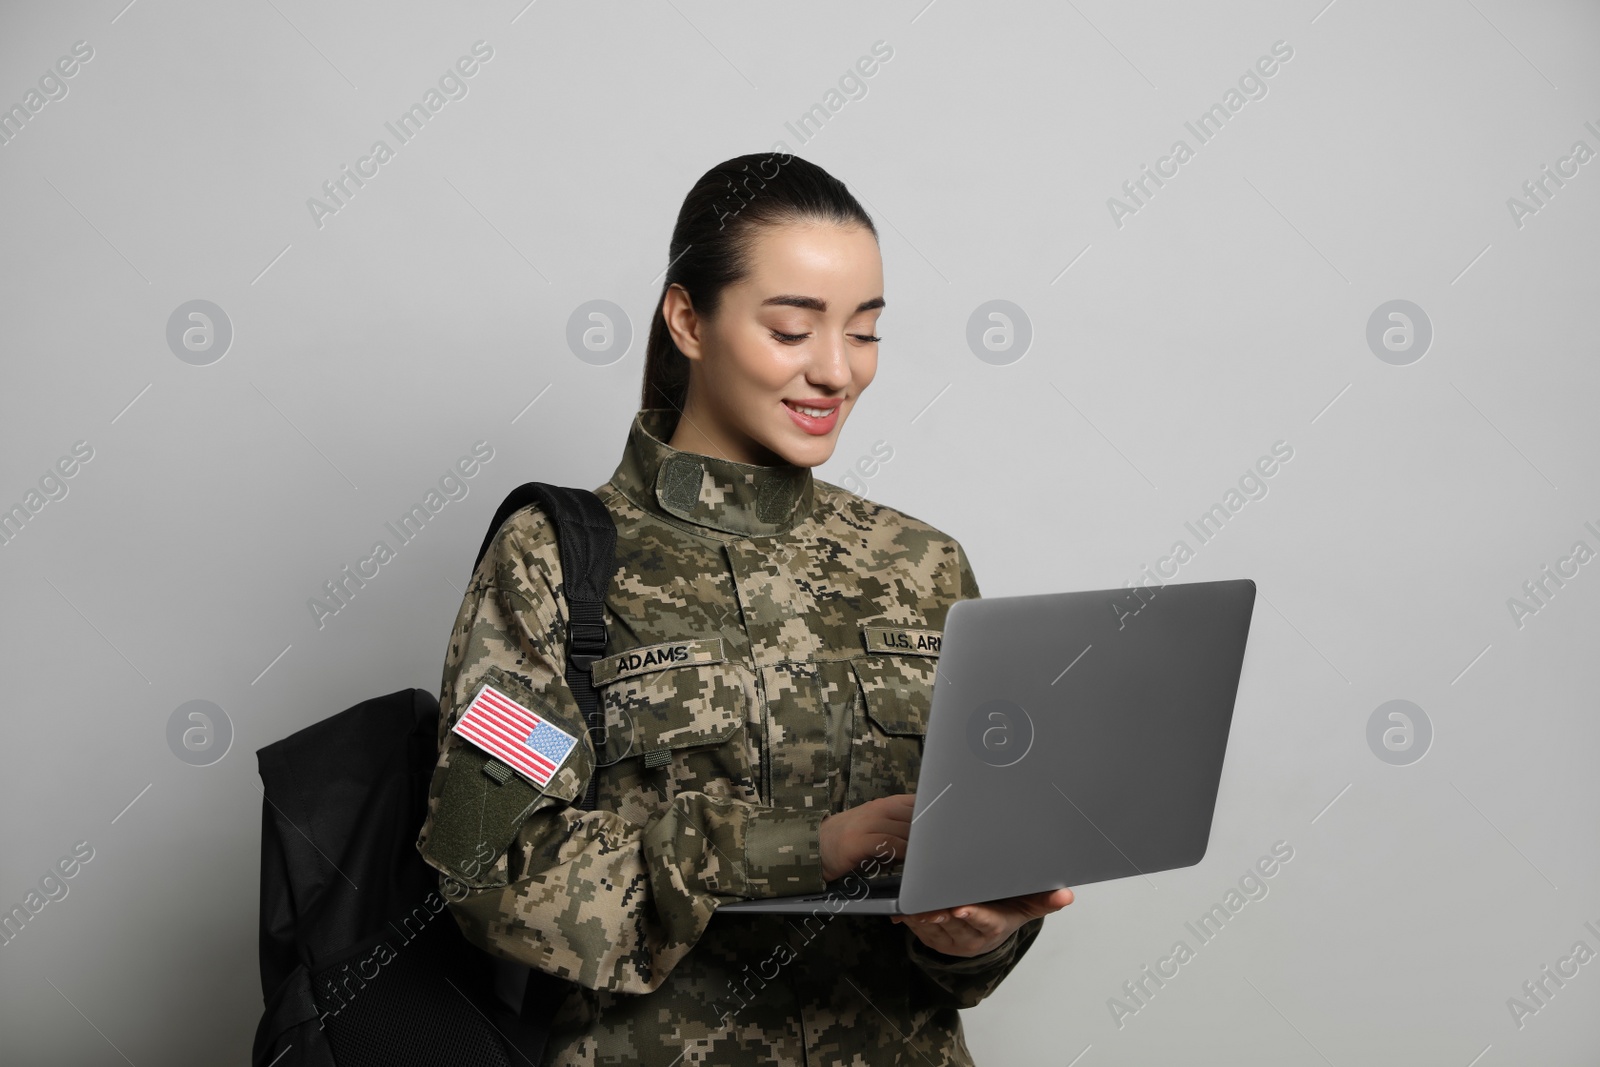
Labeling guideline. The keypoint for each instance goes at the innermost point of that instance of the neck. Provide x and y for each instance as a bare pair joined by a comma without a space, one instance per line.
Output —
703,436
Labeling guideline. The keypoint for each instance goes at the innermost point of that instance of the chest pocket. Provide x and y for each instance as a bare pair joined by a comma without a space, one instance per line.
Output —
673,717
896,678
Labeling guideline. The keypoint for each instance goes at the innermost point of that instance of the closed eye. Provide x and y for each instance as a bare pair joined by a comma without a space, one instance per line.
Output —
793,338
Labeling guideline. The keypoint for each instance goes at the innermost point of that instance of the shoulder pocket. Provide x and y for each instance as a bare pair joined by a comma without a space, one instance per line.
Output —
481,802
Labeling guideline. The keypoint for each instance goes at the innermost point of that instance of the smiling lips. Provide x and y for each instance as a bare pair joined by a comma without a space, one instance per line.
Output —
815,415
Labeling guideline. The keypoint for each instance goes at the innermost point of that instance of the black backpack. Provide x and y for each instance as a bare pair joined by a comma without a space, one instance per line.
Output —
361,961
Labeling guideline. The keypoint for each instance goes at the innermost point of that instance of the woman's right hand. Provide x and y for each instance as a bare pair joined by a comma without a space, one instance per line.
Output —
850,837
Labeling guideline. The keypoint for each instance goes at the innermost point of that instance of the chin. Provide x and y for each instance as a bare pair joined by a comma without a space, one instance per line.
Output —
812,452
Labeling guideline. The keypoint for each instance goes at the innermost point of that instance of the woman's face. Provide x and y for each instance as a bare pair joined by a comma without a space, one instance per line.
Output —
798,333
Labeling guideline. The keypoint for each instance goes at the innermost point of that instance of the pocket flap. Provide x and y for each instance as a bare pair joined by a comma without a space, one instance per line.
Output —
897,691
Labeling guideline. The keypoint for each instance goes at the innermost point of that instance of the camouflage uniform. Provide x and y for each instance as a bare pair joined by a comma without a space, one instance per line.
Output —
770,659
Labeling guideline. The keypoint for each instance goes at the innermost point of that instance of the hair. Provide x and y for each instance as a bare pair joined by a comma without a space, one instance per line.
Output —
714,239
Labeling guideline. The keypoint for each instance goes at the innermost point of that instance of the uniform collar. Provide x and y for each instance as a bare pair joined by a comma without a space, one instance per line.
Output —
735,498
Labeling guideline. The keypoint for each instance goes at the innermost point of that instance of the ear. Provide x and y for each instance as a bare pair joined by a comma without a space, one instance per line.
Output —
683,322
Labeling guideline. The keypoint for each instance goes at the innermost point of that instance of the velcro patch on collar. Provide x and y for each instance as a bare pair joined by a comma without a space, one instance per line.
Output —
685,653
902,640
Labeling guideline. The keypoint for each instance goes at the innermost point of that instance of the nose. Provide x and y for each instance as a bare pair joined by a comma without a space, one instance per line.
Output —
830,366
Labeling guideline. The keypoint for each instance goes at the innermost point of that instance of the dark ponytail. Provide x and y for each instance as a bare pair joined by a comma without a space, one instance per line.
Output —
714,236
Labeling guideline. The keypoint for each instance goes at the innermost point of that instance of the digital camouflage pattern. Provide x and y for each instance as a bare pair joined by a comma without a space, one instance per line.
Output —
771,649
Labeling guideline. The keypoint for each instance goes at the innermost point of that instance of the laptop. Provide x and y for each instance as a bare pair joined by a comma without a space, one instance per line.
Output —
1073,738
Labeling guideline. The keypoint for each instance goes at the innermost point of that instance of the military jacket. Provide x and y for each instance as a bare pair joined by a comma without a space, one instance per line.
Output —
770,658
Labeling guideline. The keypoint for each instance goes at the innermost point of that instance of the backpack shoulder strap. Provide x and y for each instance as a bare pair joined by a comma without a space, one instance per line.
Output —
587,536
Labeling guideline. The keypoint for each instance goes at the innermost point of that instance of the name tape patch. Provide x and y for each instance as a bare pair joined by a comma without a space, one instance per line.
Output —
902,640
656,657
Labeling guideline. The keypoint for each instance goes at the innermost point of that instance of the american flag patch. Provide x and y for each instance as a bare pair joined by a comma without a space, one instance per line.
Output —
513,734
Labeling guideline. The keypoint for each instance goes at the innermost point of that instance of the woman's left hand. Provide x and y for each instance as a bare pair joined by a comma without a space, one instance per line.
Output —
973,929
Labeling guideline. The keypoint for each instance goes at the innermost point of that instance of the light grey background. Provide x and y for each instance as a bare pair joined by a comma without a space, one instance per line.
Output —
1167,354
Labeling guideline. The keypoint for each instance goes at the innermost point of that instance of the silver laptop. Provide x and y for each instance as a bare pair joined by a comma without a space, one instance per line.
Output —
1073,738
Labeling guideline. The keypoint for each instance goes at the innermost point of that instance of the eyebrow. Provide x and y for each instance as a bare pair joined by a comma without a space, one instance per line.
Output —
811,303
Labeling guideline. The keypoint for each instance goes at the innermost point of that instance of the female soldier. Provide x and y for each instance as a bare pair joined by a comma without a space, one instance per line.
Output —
754,746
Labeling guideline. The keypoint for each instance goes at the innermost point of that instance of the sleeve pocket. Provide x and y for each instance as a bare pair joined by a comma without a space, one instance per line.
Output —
480,807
